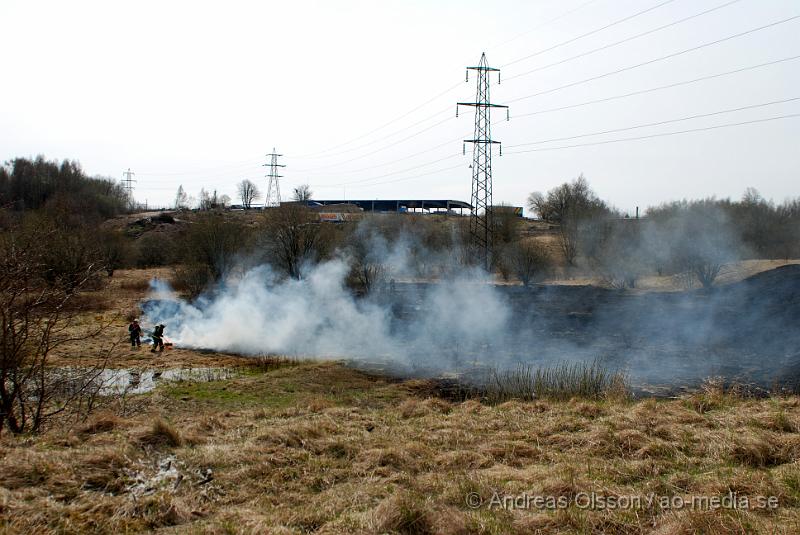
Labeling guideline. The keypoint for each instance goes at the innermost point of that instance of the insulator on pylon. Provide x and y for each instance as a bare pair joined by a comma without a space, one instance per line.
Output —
467,80
508,115
501,150
464,149
498,77
456,111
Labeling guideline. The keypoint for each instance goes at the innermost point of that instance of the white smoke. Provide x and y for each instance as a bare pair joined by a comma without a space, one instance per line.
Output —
747,331
262,313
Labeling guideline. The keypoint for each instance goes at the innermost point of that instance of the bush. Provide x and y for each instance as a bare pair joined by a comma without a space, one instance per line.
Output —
154,250
527,261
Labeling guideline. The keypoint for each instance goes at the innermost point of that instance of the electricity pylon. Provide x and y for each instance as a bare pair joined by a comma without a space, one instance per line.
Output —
481,222
273,196
127,185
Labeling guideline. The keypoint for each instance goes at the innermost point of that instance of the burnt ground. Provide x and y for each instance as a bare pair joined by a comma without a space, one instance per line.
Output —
748,331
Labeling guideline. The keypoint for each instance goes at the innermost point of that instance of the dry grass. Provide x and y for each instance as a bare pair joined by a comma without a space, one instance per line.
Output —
321,448
161,433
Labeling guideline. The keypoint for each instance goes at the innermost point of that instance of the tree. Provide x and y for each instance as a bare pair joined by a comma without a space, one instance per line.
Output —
294,236
302,193
181,199
214,242
698,237
248,192
617,251
36,318
571,205
114,250
205,201
528,261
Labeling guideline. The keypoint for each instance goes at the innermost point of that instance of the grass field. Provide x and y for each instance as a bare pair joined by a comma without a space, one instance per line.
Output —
318,447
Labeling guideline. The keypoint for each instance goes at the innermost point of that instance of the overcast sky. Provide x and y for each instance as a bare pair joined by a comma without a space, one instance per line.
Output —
360,96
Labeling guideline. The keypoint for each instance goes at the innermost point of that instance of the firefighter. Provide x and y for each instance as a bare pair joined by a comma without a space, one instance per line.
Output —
135,332
158,338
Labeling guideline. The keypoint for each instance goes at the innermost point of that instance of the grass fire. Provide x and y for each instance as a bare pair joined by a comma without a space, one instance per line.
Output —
569,305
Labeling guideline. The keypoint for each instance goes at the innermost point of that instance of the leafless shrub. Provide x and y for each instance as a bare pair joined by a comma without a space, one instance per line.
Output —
529,262
36,315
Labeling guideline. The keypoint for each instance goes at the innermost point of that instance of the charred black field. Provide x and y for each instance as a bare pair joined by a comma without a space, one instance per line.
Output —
744,332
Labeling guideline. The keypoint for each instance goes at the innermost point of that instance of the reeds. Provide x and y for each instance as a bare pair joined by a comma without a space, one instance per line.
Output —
559,382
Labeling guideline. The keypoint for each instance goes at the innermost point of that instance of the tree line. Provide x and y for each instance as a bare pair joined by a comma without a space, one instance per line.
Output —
693,238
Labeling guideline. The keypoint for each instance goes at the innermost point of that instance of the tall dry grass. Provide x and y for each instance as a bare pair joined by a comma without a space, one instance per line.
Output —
563,381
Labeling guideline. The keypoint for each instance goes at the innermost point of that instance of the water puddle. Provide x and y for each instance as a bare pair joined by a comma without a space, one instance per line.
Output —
111,382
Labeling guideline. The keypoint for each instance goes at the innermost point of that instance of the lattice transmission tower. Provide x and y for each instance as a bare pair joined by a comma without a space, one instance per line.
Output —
481,224
127,185
273,196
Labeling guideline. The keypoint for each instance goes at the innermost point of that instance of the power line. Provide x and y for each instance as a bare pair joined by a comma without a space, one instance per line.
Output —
321,154
655,60
427,173
540,26
662,134
618,71
626,40
560,108
658,88
659,123
395,172
446,91
370,167
358,147
241,165
393,144
590,102
587,34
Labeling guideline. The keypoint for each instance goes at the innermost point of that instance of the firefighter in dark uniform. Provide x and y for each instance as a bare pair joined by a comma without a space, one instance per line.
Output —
135,331
158,338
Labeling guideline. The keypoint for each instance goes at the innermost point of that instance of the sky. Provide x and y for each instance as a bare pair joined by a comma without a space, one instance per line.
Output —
360,96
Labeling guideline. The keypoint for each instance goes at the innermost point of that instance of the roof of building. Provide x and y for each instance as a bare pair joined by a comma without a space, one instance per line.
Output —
392,205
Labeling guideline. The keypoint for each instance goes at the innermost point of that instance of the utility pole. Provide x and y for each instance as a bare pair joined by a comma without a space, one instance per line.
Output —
481,222
273,196
127,185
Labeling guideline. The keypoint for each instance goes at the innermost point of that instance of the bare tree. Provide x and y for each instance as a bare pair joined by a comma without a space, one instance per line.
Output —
302,193
570,205
698,237
248,192
181,199
294,236
205,201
